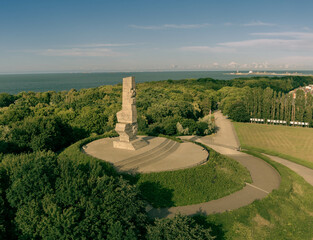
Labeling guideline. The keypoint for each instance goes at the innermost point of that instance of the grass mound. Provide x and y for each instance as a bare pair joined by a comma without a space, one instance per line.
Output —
286,213
219,177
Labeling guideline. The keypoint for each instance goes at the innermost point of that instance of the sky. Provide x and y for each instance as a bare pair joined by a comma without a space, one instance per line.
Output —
150,35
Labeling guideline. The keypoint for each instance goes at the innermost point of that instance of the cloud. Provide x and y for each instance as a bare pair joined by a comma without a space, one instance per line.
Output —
170,26
80,52
232,64
262,43
216,49
246,66
300,41
298,35
99,45
258,23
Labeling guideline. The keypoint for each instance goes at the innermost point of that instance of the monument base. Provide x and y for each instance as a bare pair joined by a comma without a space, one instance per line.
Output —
132,145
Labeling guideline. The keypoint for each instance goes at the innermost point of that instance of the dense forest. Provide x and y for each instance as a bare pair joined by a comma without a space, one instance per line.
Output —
45,194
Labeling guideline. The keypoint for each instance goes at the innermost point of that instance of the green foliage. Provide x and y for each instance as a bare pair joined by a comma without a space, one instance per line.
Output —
238,112
178,227
74,196
6,99
61,198
31,175
38,133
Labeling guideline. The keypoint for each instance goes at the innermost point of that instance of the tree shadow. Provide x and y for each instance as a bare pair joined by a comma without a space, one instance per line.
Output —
157,195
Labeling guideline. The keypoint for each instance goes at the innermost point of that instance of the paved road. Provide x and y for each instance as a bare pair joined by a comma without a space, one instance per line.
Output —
306,173
265,177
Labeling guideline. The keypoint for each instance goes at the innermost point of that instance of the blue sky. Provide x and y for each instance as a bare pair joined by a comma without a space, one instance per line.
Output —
147,35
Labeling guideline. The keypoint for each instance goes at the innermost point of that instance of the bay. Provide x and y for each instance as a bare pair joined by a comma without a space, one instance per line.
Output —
15,83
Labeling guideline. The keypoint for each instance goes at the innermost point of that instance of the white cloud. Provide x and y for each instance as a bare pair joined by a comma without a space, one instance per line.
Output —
79,52
99,45
232,64
297,35
258,23
170,26
287,41
215,49
263,43
246,66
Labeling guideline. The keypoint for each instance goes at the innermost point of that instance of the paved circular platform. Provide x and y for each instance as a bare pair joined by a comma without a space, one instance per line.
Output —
161,154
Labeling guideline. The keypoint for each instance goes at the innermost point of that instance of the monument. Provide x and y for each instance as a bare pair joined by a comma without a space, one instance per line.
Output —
127,119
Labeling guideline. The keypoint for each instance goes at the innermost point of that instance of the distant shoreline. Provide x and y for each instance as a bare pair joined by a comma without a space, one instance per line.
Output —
268,74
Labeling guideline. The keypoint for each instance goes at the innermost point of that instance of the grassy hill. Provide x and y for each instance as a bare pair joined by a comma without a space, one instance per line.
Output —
293,143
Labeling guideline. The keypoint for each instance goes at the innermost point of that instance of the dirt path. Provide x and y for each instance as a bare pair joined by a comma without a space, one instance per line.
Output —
265,177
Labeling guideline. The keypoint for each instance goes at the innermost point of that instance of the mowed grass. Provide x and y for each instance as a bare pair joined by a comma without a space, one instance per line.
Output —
286,213
219,177
293,143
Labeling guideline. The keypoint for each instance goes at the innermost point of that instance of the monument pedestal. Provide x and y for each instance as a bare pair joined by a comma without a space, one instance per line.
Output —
131,145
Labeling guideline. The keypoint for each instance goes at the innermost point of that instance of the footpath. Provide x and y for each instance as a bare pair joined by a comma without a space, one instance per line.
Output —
265,178
306,173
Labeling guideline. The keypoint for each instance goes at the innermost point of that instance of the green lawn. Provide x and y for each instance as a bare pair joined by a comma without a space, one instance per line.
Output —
293,143
286,213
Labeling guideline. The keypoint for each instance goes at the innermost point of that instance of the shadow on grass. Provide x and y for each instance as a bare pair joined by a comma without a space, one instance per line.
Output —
157,195
216,229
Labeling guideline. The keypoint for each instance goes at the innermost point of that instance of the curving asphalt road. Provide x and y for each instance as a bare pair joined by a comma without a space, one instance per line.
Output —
265,177
306,173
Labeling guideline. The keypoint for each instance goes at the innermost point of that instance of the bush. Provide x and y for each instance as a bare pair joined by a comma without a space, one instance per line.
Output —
179,227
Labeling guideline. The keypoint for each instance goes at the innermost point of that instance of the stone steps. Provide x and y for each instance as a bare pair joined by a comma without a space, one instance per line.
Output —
142,155
156,154
159,157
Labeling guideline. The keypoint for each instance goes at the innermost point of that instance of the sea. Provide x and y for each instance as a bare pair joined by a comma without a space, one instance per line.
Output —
15,83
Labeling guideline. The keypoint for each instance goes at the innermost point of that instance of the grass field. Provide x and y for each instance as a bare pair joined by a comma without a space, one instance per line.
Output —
286,213
293,143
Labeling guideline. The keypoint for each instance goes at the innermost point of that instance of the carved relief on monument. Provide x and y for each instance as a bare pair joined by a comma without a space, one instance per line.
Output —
127,119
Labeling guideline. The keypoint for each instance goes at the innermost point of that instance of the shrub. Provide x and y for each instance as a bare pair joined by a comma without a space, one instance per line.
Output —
179,227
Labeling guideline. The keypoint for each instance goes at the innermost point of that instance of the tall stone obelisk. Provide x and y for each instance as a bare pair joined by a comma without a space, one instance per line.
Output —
127,119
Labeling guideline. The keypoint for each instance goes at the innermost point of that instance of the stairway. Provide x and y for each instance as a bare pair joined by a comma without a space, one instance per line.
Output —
154,155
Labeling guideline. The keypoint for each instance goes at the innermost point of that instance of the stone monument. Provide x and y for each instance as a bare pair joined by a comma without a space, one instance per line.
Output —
127,119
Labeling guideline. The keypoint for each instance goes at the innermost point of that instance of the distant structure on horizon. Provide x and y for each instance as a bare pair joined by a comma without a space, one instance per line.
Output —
237,73
306,89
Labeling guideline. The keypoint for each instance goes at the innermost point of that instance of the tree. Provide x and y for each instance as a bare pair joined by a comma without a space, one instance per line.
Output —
267,98
6,99
238,112
39,133
69,199
179,227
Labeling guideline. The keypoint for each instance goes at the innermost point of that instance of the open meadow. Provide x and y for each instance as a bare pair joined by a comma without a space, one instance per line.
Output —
293,143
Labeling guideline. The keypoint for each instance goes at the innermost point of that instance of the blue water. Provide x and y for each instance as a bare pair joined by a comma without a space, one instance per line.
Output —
15,83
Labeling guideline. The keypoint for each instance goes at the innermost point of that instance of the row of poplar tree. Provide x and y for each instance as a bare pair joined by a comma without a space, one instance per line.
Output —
268,104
